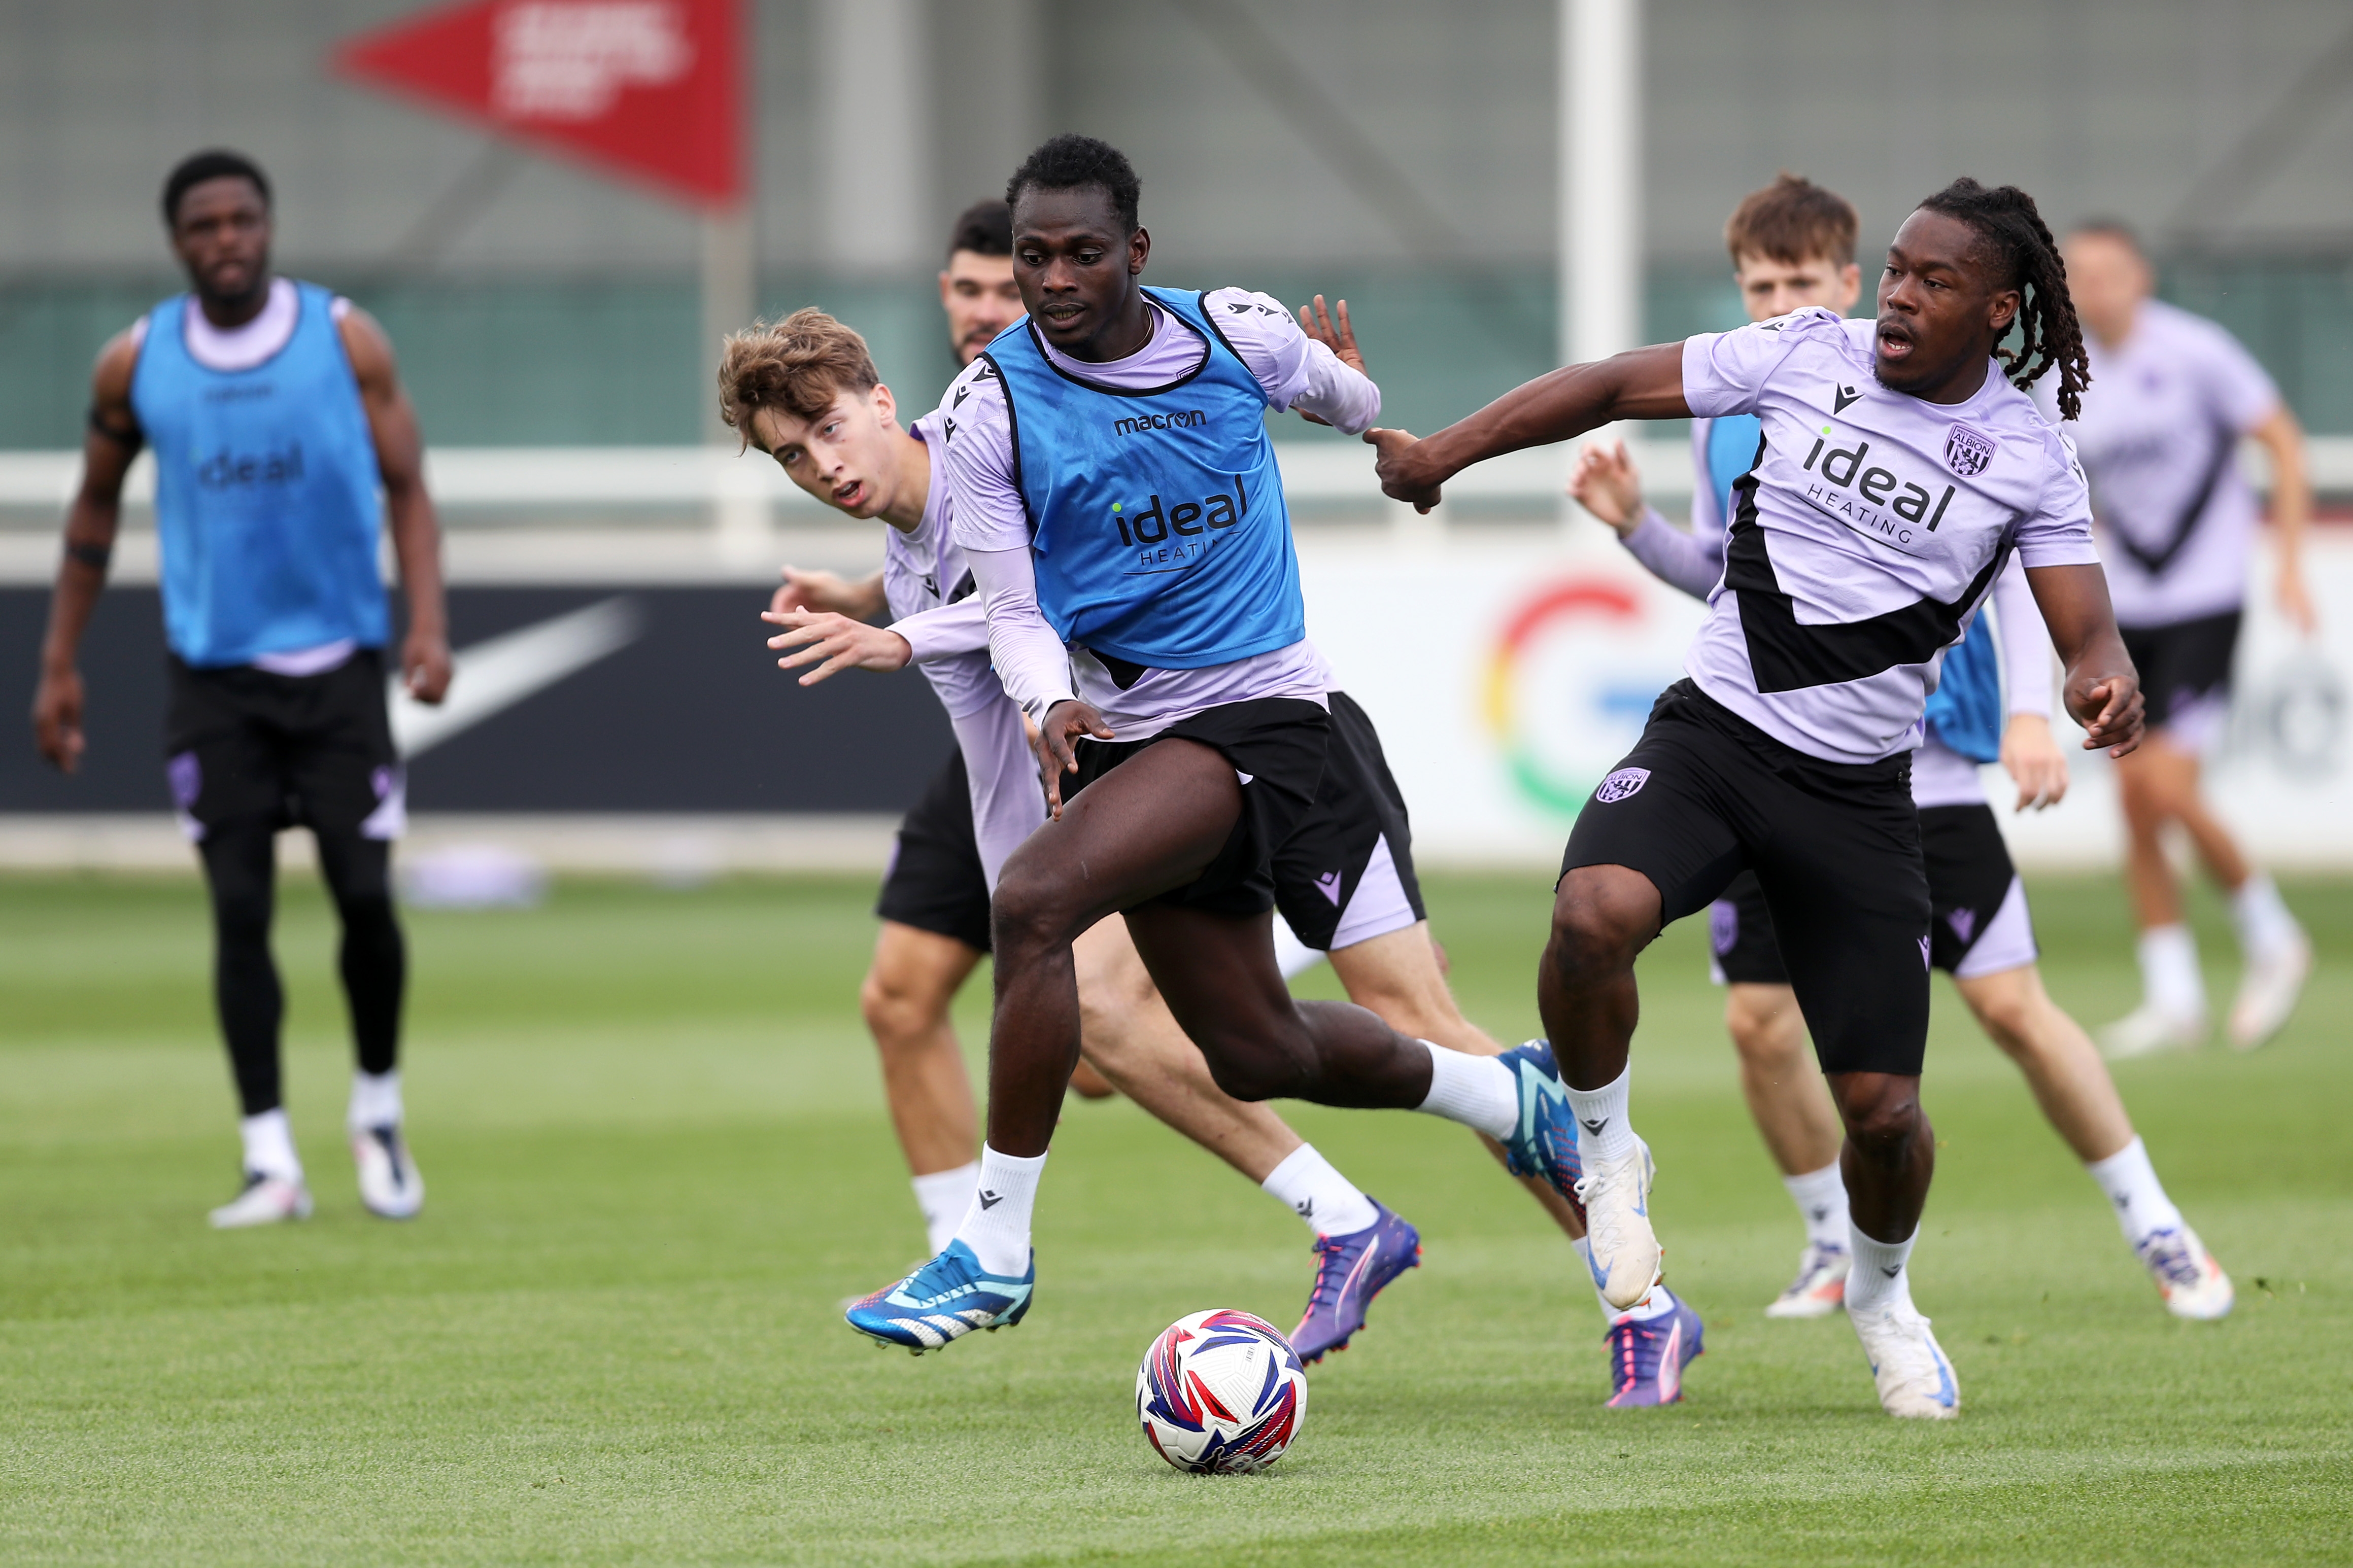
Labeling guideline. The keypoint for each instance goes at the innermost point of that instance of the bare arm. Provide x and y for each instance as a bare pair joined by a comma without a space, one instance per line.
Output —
1641,383
2283,437
415,532
2102,688
802,589
111,441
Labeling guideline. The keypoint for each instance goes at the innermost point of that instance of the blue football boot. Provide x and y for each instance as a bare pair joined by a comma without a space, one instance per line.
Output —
1647,1359
1544,1142
1350,1270
945,1300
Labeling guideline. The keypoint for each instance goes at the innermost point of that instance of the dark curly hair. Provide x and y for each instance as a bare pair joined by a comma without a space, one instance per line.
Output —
213,163
2016,243
1068,161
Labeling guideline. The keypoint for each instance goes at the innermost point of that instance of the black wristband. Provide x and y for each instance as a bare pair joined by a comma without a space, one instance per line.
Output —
94,557
133,437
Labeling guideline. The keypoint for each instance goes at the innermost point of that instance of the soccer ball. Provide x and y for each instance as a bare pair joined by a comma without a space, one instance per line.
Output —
1220,1394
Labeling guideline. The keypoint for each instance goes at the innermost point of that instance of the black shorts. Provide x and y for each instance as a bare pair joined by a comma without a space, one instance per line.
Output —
2181,663
1278,745
936,883
245,748
1704,795
1323,868
1979,907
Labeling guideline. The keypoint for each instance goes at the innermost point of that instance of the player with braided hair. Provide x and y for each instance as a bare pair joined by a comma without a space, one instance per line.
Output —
2050,338
1897,469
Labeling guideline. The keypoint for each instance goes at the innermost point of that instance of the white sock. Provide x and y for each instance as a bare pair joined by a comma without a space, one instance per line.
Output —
1477,1091
1309,1187
1657,1303
997,1225
2168,969
1882,1276
270,1145
1602,1131
2135,1193
944,1196
2264,925
1820,1197
375,1101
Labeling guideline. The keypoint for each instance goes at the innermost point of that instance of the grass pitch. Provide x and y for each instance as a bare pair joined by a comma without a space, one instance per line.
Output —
658,1160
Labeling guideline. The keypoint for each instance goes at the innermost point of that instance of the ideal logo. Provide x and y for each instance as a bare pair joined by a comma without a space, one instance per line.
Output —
222,470
1187,518
1843,470
1144,423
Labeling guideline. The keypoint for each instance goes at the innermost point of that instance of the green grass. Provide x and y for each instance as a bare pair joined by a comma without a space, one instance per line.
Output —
658,1161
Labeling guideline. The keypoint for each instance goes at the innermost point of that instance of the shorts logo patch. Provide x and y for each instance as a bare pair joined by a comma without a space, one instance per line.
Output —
1622,783
1924,954
1967,451
187,776
1328,884
1964,923
1723,925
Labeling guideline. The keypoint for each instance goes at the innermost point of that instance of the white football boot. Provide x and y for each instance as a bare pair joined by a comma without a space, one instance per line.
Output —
389,1184
2187,1275
1915,1379
1625,1249
266,1200
1820,1288
2151,1029
2268,993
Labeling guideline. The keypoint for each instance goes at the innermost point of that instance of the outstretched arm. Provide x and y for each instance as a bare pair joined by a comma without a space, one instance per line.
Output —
2102,690
1641,383
415,532
112,439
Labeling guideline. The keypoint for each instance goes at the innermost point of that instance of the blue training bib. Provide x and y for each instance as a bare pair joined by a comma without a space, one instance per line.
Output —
266,480
1732,440
1965,710
1156,518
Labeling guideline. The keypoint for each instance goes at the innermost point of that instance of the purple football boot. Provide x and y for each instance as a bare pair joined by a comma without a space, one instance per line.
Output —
1647,1359
1350,1270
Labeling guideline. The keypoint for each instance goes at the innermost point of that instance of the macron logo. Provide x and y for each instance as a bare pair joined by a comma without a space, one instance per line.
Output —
990,1200
1137,425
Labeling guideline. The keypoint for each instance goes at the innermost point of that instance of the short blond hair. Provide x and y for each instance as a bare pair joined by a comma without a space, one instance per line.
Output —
798,366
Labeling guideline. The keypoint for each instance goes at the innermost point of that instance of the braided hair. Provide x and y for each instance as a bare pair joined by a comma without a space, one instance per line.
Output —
2021,245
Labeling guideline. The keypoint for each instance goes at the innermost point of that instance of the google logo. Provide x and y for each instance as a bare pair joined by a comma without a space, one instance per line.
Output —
1612,695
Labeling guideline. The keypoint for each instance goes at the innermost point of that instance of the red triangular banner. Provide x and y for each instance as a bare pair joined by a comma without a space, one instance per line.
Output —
649,90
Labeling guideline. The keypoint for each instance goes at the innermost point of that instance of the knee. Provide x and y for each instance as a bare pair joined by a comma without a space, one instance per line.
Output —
1881,1123
1029,911
1600,925
1252,1077
1765,1034
897,1014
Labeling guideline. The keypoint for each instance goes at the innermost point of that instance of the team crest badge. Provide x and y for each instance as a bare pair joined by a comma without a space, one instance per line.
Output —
1622,783
1967,451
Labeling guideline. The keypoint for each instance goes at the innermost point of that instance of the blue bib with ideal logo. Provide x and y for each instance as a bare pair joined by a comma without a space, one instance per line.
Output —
1965,710
266,479
1156,518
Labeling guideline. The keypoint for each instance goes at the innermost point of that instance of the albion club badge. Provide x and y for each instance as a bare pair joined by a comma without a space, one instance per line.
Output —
1967,451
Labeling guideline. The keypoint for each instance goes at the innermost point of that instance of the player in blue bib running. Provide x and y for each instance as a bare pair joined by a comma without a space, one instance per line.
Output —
1792,245
1899,465
1117,498
275,414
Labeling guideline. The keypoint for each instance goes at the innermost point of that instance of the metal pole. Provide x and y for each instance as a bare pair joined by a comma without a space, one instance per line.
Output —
739,508
1600,242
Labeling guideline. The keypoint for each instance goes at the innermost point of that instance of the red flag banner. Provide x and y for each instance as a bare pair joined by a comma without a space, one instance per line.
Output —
648,90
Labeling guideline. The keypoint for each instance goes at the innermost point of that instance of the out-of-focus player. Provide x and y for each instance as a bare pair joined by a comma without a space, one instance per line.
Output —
275,413
2172,395
1792,245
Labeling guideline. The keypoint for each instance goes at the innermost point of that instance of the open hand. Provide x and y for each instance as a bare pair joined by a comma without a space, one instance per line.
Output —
1605,483
2109,707
841,642
2034,761
1064,722
1403,474
1340,341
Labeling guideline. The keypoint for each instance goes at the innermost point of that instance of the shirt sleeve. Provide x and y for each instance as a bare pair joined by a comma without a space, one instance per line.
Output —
1688,562
2241,391
946,630
1724,372
1292,369
1031,659
2024,642
2058,533
976,452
